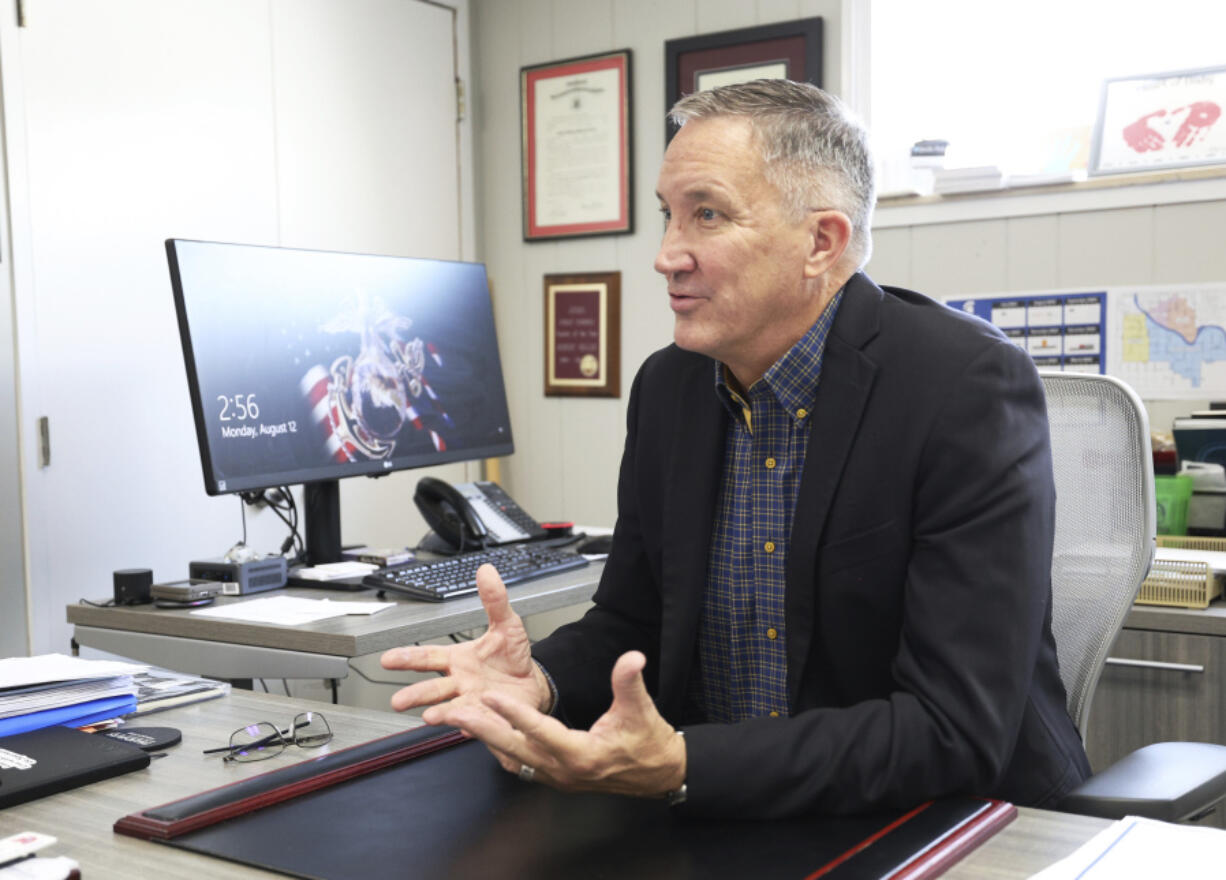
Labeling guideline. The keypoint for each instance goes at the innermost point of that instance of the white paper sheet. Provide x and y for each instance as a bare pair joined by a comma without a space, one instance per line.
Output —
289,611
1143,849
332,571
24,671
1215,558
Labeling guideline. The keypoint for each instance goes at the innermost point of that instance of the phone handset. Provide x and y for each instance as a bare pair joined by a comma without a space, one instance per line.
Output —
472,515
449,514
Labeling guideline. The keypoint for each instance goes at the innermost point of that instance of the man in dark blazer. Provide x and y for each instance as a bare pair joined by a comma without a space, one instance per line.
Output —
830,570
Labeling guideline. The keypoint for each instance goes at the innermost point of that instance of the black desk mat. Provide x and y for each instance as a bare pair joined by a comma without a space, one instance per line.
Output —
456,814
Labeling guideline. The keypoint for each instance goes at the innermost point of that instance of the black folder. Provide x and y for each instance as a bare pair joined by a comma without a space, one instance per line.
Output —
452,812
55,759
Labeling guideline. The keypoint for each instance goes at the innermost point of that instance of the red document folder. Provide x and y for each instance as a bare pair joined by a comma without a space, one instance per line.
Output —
426,803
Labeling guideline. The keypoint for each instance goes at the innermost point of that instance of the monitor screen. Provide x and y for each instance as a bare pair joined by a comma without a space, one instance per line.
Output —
307,366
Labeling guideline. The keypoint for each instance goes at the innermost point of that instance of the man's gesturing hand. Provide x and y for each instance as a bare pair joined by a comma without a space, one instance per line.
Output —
630,749
498,662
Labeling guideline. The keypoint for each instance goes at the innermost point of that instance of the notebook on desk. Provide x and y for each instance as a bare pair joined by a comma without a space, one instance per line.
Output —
55,759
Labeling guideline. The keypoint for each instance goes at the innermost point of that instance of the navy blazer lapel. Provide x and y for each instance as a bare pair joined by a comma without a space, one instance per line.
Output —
842,393
690,492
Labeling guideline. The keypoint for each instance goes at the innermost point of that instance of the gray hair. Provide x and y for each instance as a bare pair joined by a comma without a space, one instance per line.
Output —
816,152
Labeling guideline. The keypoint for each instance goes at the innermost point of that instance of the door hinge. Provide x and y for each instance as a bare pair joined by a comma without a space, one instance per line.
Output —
44,442
459,100
21,13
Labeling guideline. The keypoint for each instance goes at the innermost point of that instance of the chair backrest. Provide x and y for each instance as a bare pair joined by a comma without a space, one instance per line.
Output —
1105,519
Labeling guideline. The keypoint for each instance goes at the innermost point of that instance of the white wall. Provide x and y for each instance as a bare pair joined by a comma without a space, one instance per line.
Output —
568,449
1147,244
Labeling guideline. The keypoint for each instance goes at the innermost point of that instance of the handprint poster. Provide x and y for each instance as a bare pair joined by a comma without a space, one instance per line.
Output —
1161,121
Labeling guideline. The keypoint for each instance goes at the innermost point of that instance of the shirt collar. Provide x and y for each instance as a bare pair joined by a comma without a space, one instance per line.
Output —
793,378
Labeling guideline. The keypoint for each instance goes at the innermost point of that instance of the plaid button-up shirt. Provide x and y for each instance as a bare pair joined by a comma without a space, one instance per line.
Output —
742,635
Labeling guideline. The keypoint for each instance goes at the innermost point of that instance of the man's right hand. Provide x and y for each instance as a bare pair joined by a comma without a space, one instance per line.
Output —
500,661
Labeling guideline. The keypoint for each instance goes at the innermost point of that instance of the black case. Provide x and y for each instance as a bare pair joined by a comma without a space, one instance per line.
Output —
55,759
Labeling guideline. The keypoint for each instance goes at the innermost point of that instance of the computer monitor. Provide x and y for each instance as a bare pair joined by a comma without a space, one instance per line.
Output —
311,366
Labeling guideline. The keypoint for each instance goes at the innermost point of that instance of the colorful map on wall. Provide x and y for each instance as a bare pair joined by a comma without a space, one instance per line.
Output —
1167,341
1172,340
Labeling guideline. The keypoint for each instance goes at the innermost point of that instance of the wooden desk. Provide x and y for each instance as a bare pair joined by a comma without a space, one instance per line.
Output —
82,818
231,649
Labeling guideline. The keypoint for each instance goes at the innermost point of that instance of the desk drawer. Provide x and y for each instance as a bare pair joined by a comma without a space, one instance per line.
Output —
1157,687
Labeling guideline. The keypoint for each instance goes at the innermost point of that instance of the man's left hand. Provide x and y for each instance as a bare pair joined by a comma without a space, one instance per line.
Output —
630,750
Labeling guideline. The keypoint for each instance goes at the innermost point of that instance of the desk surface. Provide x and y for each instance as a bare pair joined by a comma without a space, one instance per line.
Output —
82,818
352,636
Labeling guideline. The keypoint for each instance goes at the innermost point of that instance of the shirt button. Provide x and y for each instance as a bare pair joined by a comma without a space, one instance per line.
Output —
772,633
770,464
801,413
769,546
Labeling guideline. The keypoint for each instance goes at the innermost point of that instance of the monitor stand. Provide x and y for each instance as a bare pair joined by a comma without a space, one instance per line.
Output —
340,585
321,503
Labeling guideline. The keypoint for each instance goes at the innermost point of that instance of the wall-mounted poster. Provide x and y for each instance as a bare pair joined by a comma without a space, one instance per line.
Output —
1061,331
1168,341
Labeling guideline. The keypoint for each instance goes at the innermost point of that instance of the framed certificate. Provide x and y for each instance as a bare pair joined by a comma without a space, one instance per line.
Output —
1165,120
787,50
583,334
575,125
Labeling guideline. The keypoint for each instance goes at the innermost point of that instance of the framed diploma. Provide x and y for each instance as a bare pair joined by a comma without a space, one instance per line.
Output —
583,334
1160,121
787,50
575,126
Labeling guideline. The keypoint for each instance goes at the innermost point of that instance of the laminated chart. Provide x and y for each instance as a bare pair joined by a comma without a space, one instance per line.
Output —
1063,330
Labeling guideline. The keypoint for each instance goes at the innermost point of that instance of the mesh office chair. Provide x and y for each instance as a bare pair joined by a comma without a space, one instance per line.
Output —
1104,543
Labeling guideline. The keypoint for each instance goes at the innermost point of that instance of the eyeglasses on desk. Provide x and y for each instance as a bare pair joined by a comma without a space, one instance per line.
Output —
263,740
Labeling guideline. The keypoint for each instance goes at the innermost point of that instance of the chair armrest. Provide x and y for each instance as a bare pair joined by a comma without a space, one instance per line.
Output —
1170,781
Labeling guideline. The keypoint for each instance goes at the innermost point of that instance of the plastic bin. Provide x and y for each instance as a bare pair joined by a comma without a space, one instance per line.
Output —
1172,495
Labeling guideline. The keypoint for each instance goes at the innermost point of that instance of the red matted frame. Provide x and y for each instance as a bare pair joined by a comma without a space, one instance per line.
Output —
565,193
792,48
583,335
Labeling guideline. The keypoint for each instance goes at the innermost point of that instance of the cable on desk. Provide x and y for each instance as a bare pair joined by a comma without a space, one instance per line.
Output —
279,500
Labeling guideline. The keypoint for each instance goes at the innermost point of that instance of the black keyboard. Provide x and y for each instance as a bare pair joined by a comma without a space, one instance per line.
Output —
453,576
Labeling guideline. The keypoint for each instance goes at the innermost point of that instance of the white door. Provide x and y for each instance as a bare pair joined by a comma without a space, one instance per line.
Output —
313,123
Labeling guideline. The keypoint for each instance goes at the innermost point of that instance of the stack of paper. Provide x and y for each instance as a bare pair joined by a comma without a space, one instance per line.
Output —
332,571
50,689
160,689
957,180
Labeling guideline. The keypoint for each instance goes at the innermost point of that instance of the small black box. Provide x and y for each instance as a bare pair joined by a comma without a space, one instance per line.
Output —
241,578
132,585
